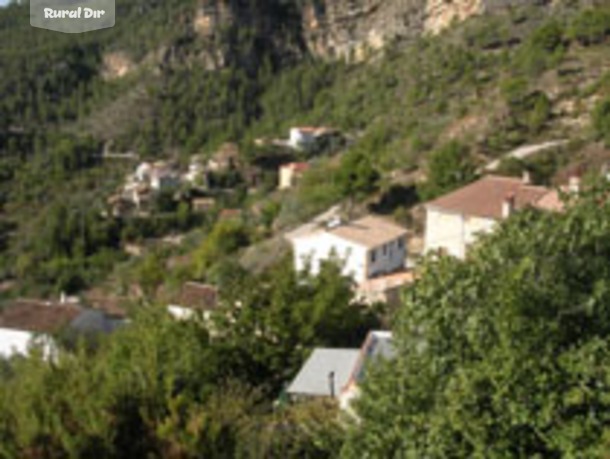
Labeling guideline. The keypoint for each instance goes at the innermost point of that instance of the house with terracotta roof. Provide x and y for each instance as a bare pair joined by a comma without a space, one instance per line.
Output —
193,298
25,324
290,174
366,248
454,221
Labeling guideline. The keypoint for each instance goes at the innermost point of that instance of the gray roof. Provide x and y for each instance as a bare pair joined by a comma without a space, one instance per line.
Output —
93,321
313,379
378,345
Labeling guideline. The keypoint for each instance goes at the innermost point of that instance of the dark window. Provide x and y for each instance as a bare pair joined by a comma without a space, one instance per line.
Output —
373,256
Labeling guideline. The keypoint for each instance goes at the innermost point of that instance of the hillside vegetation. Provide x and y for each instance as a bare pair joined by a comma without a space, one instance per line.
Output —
501,356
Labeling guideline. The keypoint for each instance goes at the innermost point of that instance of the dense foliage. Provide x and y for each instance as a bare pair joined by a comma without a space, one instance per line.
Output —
171,388
506,353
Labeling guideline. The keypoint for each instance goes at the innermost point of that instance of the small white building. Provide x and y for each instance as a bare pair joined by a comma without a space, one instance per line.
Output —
32,323
454,221
290,174
302,138
338,373
366,248
193,299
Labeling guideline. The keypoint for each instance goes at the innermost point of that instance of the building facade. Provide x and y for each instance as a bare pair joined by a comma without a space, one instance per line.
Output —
365,248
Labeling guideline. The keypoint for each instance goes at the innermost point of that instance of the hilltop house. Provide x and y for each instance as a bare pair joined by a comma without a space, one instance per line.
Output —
290,173
454,221
302,138
367,248
226,159
28,323
338,373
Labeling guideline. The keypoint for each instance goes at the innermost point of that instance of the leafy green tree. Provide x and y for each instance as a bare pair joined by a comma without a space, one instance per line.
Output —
448,167
271,321
357,176
226,237
504,354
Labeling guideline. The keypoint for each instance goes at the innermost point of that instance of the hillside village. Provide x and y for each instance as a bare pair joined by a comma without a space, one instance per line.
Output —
307,229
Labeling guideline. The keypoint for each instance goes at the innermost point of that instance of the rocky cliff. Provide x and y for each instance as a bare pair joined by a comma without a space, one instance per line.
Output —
348,28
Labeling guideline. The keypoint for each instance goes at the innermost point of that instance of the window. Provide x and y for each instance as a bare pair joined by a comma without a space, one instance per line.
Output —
385,249
401,243
373,256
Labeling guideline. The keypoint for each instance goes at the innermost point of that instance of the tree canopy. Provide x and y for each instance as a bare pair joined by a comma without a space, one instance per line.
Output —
505,354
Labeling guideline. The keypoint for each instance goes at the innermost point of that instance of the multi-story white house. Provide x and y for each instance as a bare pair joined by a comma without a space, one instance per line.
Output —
365,248
454,221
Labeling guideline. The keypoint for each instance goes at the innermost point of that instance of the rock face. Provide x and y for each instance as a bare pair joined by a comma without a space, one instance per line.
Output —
333,29
348,28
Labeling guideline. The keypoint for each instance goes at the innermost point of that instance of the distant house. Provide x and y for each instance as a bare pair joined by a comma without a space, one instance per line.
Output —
157,176
230,214
28,323
454,221
338,373
366,248
202,205
227,158
194,298
302,138
290,173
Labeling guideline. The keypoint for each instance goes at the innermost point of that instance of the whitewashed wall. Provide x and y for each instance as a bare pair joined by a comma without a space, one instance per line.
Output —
312,250
452,232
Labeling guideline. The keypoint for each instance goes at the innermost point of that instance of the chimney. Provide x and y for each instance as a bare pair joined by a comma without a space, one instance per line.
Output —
334,222
574,184
508,205
526,177
331,383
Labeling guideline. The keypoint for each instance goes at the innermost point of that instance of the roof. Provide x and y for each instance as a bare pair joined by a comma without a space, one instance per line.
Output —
378,345
297,167
38,316
370,231
387,282
485,197
314,377
95,321
197,296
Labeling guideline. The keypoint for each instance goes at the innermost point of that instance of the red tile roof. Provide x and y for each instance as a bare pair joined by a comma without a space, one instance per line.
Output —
38,316
197,296
485,197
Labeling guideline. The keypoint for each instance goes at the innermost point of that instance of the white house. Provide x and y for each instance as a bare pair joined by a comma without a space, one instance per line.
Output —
28,323
366,248
192,299
454,221
305,137
338,373
290,173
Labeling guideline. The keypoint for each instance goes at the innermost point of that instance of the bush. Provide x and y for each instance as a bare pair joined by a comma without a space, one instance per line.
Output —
590,27
601,121
448,167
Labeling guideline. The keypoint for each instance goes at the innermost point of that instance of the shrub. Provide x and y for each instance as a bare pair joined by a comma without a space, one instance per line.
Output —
448,167
590,27
601,120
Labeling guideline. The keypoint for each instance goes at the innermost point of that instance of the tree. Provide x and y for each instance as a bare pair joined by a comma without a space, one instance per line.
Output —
601,120
448,167
505,354
357,177
271,321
